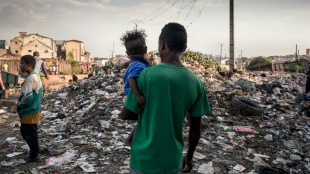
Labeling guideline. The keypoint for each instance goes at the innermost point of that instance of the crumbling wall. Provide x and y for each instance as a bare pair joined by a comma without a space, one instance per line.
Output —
280,66
13,64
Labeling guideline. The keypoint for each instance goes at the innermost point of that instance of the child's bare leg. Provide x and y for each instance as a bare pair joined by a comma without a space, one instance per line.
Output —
128,140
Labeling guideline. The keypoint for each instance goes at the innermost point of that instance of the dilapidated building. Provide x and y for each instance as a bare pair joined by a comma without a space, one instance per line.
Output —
28,43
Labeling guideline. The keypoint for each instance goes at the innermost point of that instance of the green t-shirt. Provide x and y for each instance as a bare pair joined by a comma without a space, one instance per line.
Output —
171,91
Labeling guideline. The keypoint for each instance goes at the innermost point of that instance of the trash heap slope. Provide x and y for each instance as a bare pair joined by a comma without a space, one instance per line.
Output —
256,126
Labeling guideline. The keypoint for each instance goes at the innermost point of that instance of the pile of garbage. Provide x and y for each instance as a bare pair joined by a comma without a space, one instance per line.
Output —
255,126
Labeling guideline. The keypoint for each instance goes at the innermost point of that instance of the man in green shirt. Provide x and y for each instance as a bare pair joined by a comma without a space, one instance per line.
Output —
171,90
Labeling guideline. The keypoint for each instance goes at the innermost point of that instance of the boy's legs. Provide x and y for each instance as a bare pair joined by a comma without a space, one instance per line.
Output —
30,135
128,140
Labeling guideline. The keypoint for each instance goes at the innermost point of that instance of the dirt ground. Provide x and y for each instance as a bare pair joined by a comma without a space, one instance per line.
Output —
57,82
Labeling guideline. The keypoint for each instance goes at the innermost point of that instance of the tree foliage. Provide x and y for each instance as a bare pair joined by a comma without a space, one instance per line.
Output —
296,68
70,56
71,59
259,60
197,56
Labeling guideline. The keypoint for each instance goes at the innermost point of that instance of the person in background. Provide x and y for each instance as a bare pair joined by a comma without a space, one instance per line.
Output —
2,88
5,66
54,69
57,69
81,68
39,65
87,67
29,105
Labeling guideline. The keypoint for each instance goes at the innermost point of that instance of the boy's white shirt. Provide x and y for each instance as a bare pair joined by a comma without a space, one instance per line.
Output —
32,82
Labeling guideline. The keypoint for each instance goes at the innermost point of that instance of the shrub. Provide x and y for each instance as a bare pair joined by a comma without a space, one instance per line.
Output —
74,63
197,56
296,68
259,60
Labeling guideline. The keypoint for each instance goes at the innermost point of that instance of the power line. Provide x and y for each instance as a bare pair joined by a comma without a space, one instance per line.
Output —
199,13
190,9
175,13
181,8
165,10
154,12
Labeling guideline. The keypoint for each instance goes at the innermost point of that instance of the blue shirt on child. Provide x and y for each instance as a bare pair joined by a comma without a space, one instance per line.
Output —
138,63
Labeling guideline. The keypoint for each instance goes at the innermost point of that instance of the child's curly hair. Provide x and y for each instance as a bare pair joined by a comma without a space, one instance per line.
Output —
133,35
134,42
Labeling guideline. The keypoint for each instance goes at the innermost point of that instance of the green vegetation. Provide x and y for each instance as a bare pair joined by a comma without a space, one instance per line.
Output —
259,60
64,73
70,56
197,56
76,70
296,68
74,63
71,59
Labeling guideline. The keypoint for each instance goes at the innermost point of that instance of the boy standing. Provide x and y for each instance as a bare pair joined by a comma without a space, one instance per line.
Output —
29,105
136,49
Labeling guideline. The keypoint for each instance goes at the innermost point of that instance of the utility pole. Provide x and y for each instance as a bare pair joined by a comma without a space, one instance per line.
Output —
136,22
231,37
240,53
113,51
221,44
296,53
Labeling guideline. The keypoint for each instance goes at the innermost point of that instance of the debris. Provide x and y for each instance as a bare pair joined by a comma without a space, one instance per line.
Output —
206,168
61,159
81,120
245,107
199,156
295,158
10,140
268,137
245,129
87,167
104,124
12,163
14,154
239,168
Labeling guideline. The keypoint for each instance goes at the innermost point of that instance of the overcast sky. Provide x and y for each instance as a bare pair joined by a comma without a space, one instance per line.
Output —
262,27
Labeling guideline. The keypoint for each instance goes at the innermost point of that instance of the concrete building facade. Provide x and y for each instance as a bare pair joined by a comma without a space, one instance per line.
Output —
29,43
308,52
77,49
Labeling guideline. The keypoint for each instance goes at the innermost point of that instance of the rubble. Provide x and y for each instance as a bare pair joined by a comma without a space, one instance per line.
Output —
80,130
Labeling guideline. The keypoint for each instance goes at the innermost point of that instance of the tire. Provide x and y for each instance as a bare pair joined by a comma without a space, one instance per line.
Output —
240,106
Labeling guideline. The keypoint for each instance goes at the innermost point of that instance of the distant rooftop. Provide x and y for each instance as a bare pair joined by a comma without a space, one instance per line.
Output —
74,41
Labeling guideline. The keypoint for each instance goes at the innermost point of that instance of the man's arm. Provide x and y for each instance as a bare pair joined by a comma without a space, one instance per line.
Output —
194,136
44,70
135,90
126,114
